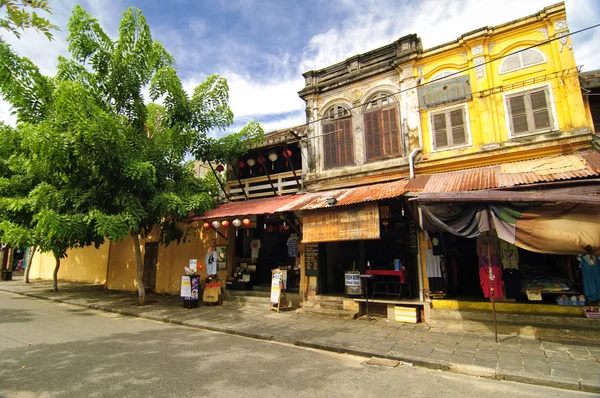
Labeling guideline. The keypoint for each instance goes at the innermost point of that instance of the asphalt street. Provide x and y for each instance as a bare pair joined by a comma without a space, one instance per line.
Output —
49,349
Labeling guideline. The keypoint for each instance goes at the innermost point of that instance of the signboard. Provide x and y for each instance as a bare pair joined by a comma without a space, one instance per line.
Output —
186,286
342,224
353,280
275,287
193,265
311,259
412,236
447,91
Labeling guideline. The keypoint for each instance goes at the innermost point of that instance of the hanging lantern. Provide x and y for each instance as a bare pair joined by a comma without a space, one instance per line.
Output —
273,157
261,160
216,224
287,154
220,168
206,225
251,162
225,224
241,165
246,222
237,222
270,228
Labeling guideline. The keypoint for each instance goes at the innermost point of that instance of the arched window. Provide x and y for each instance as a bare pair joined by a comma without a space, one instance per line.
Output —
382,130
522,60
338,146
443,74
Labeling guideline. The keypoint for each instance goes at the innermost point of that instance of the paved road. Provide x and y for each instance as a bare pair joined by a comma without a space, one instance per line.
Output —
49,349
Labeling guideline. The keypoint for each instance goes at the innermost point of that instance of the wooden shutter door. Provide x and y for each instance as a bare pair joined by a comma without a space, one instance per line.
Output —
439,131
330,158
539,108
373,135
518,114
457,122
391,137
346,144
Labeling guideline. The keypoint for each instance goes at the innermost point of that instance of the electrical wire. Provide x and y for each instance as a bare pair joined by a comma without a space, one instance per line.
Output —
459,72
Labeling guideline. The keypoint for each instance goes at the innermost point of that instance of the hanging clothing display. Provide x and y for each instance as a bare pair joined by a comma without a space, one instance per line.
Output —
512,283
590,273
509,255
482,244
255,247
434,269
292,245
495,282
211,261
436,243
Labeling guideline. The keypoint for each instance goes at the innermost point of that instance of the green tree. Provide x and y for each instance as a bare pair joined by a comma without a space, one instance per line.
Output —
18,17
15,227
157,187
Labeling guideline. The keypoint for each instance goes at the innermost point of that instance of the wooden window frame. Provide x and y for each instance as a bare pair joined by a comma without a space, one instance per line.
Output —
379,113
448,126
529,111
339,141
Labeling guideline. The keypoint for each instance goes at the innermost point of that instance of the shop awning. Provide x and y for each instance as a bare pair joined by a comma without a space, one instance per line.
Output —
250,207
313,200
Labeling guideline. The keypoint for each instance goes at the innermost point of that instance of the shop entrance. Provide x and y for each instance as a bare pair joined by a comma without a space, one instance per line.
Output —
526,276
271,244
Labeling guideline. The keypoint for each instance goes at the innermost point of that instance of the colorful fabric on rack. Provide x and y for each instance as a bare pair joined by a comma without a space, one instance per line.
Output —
590,273
509,255
495,282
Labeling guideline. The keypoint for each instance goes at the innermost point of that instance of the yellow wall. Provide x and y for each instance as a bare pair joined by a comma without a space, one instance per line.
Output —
171,260
487,115
81,265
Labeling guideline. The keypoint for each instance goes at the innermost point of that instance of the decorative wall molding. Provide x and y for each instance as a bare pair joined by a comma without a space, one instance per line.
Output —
564,40
477,50
560,25
479,67
544,32
491,47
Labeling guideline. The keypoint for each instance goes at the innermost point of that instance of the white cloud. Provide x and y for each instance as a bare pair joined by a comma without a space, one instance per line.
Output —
251,98
379,23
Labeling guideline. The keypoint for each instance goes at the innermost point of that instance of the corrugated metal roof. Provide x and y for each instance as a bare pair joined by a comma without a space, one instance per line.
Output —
552,168
249,207
349,196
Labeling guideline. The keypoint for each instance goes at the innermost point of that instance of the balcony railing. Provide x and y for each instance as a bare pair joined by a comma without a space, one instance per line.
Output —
257,187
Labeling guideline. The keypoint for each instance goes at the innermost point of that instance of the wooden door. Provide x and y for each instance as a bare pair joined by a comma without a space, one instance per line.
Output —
150,260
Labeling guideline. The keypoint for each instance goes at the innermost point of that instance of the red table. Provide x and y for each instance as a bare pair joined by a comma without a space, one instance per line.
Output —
385,272
401,274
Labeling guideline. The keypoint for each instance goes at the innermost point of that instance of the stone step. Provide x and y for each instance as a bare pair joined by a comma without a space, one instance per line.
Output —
325,304
526,325
326,313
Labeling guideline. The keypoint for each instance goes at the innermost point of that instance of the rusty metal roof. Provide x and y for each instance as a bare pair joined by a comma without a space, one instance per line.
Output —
268,205
348,196
552,168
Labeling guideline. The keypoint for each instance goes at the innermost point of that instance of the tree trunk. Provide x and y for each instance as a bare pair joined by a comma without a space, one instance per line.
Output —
139,276
55,274
29,261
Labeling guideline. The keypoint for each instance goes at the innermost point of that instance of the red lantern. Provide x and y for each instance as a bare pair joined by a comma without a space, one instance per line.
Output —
246,222
270,228
225,223
220,168
241,164
287,154
206,225
261,160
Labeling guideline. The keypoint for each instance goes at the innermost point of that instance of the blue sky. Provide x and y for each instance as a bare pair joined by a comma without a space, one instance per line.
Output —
262,46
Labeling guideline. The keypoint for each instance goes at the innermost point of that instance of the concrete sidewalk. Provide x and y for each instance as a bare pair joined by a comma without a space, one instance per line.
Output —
563,365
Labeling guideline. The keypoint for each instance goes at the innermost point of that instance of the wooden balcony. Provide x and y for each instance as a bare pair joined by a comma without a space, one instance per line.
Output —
258,187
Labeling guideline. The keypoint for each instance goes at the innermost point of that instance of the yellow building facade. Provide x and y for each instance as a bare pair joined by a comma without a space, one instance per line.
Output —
114,263
523,98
